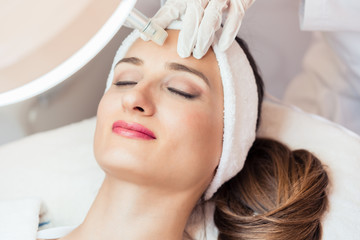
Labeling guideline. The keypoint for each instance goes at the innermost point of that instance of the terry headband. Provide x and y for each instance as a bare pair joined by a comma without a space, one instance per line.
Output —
240,106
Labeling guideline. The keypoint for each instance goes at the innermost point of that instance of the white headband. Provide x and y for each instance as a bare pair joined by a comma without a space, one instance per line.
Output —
240,106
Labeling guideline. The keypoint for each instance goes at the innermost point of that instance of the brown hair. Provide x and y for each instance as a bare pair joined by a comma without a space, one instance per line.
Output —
279,194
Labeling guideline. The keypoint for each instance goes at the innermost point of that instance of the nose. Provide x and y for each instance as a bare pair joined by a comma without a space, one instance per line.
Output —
139,100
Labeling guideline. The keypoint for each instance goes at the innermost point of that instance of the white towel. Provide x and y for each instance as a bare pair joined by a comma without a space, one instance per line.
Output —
19,219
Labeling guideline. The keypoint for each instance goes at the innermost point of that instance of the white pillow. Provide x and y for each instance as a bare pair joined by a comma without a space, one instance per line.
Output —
59,166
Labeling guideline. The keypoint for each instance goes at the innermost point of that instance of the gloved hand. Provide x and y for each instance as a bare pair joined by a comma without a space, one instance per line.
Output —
201,19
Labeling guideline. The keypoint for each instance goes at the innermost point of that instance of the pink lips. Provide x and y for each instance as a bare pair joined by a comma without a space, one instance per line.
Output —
132,130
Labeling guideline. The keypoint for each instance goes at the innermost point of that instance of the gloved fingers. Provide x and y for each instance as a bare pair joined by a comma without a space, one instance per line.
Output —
210,23
171,11
191,21
232,24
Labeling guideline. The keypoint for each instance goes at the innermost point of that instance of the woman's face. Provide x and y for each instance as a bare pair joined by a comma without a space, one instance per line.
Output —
179,100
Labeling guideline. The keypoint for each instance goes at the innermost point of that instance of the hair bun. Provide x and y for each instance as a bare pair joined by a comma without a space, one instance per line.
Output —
280,194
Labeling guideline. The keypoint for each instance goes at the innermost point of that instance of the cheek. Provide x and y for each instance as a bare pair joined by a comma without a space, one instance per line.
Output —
104,113
105,106
208,130
195,123
98,137
197,136
203,126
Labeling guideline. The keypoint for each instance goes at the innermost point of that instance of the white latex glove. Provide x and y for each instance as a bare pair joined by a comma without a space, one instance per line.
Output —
201,19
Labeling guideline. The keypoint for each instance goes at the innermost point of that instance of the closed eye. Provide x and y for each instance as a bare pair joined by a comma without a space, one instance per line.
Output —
181,93
125,83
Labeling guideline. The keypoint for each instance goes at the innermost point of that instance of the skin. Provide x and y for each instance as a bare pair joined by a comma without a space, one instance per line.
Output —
151,186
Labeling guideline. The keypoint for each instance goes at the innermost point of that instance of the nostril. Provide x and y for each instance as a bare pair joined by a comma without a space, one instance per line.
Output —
140,109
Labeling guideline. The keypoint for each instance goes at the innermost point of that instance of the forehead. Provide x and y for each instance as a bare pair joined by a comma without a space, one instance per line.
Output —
152,53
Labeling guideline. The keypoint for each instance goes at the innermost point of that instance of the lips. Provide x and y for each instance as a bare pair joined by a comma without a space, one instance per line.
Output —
132,130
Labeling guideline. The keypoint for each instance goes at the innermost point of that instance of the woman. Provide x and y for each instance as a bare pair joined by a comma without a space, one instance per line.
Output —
171,131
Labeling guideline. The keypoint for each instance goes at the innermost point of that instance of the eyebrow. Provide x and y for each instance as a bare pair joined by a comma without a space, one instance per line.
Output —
171,66
183,68
132,60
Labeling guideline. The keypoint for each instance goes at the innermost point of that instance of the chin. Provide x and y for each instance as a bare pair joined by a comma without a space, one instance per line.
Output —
120,163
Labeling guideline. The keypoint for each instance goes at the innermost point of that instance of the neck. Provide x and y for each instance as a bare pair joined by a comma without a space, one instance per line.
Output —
123,210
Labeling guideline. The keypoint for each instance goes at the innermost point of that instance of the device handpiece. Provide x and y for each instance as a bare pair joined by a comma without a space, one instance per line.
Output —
144,24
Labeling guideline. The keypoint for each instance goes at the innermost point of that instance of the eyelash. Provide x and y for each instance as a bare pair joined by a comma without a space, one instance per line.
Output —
181,93
125,83
172,90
